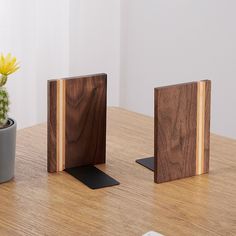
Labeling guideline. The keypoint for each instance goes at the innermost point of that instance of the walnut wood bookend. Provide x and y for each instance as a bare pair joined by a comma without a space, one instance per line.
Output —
182,131
76,122
77,128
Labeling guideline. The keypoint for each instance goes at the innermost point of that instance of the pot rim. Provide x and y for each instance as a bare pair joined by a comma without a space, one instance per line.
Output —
12,124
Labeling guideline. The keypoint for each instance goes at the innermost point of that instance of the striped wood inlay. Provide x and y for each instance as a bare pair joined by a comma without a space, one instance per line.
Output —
201,100
182,130
76,121
61,109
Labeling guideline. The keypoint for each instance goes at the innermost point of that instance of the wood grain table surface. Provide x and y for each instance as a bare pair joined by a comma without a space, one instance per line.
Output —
39,203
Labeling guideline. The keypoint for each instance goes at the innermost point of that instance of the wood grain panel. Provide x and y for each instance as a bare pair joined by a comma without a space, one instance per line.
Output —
175,132
182,130
77,121
207,125
52,127
86,120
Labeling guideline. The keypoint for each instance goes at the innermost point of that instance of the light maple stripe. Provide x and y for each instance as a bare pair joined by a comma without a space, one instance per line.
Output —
201,99
61,125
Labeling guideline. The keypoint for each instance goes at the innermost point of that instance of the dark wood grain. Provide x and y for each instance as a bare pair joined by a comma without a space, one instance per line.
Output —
51,126
86,120
84,102
175,132
207,126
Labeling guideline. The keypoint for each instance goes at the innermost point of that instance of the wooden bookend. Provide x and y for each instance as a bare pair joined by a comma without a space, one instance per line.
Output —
182,131
77,122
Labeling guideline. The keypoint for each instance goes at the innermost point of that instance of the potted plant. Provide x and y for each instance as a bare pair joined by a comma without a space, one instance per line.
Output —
8,65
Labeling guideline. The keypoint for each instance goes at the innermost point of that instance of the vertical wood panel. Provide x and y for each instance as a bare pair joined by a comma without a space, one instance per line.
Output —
86,121
175,122
207,126
182,129
51,127
77,121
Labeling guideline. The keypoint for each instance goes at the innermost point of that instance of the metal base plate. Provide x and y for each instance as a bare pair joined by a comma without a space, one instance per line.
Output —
147,162
92,177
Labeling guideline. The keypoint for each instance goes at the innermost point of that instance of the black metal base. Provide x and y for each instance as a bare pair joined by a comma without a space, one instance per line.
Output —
147,162
92,177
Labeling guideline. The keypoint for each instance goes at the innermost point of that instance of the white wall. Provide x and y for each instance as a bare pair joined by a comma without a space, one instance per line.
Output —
141,44
54,39
166,42
36,32
95,41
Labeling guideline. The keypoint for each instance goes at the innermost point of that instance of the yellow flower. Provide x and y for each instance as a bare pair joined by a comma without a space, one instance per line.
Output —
8,64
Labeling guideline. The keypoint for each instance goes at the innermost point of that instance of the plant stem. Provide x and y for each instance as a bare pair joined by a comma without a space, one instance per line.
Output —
3,80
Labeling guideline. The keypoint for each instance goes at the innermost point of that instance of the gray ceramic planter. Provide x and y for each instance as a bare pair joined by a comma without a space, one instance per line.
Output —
7,151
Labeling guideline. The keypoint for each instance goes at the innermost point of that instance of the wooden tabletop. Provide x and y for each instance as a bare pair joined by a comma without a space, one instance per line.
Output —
39,203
